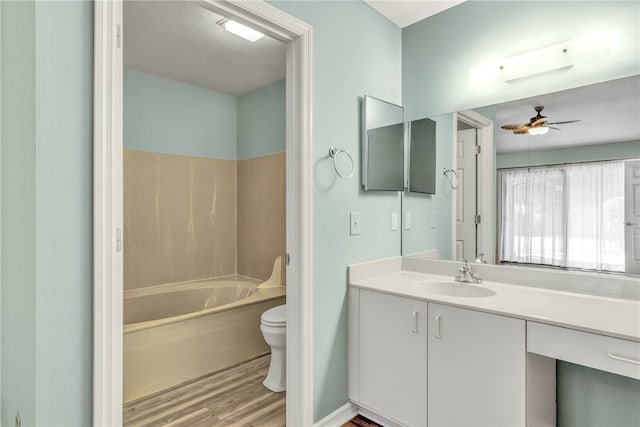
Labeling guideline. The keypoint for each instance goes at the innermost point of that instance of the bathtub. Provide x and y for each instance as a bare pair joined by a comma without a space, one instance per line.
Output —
178,332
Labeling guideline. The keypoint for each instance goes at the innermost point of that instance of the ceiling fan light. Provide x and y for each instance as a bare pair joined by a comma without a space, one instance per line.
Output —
538,130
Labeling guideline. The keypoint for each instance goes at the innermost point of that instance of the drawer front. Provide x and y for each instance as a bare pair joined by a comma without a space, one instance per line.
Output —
609,354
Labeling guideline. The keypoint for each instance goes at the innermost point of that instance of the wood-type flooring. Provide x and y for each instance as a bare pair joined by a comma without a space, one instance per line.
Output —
235,397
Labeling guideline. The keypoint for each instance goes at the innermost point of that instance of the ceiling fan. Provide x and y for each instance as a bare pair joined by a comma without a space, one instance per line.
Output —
538,125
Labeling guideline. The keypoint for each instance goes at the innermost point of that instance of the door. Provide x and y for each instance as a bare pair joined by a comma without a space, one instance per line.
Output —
392,366
632,216
466,195
476,368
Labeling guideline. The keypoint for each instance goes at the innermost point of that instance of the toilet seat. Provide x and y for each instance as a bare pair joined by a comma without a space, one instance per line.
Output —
276,316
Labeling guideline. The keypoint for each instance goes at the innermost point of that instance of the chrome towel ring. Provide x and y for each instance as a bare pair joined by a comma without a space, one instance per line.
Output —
333,153
448,173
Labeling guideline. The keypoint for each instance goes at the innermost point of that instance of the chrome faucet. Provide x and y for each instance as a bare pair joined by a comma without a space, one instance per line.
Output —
466,274
480,259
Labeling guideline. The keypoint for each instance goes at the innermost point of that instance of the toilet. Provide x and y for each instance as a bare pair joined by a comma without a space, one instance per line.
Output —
273,324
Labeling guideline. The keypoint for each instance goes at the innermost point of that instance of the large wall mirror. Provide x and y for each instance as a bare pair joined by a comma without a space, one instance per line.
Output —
565,187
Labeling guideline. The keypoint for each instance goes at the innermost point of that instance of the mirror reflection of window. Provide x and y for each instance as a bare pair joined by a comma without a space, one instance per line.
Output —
564,215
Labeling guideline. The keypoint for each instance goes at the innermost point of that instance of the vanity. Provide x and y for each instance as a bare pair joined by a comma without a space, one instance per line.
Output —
426,350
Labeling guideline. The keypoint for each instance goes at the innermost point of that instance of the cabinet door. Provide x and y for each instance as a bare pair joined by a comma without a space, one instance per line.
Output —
476,368
392,368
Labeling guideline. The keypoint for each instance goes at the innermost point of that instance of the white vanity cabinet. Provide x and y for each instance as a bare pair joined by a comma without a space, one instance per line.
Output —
388,355
477,364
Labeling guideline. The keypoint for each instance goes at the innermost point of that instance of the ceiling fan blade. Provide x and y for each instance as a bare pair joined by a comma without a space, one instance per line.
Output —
521,131
551,127
541,121
562,123
513,126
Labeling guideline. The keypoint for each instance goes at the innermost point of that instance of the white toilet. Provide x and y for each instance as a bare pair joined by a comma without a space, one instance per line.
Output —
273,324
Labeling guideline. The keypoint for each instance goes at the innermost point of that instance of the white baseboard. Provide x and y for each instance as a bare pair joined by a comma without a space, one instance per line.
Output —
339,416
380,419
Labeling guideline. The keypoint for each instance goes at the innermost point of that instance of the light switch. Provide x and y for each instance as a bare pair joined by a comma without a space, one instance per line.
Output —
434,219
394,221
407,220
355,223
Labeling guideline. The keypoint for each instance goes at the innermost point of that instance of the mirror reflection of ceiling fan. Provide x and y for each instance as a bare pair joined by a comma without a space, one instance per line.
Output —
538,125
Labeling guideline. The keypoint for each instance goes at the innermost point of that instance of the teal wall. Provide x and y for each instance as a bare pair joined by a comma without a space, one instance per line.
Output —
589,397
586,153
440,51
18,212
421,237
356,51
168,116
46,212
438,54
64,246
261,121
172,117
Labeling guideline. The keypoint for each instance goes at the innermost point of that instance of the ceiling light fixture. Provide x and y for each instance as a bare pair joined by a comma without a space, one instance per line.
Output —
538,130
241,30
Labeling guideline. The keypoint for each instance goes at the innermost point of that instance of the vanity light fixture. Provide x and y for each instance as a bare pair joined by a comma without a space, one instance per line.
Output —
554,58
539,130
240,30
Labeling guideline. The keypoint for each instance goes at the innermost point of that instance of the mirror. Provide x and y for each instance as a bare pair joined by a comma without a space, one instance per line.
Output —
422,156
563,188
382,145
396,155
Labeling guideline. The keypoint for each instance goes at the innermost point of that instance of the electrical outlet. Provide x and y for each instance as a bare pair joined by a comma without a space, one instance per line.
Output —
407,220
355,223
434,219
394,221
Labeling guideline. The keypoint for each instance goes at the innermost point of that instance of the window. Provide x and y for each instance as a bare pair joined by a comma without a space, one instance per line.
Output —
566,216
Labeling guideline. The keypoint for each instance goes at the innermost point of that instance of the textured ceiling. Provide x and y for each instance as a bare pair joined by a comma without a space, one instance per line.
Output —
180,40
610,112
406,12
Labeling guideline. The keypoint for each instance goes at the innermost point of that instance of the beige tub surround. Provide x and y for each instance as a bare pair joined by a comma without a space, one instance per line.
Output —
179,218
277,278
261,214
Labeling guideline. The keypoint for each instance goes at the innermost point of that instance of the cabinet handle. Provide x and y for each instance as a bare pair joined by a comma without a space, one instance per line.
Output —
414,322
623,359
438,326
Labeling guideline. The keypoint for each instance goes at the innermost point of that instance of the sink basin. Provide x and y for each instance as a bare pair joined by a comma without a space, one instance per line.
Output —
456,289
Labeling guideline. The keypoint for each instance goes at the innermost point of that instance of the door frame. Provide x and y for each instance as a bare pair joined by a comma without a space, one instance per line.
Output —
108,203
485,179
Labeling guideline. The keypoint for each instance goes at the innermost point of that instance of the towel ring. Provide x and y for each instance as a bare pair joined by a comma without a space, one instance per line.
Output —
447,172
333,153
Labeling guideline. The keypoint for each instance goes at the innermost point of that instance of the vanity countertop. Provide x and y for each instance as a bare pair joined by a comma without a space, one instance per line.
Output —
597,314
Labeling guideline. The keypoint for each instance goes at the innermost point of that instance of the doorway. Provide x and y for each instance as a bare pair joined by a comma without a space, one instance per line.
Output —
474,201
108,202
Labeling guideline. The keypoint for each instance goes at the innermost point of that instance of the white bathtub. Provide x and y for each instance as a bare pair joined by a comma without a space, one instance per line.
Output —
179,332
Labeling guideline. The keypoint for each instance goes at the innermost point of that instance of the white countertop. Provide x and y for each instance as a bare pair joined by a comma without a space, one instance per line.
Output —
597,314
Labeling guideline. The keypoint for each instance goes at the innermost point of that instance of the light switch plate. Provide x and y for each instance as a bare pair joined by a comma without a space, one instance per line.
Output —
434,219
407,220
394,221
355,223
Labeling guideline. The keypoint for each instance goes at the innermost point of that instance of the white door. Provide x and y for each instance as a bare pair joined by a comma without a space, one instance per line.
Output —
392,366
632,216
466,195
476,368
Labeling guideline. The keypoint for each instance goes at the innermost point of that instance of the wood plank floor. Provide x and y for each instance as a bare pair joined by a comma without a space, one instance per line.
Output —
235,397
360,421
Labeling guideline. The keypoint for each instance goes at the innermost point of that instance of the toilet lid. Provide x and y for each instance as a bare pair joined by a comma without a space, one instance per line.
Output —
276,315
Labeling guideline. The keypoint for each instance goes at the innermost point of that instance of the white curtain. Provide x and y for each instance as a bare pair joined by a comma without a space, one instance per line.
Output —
595,225
568,216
